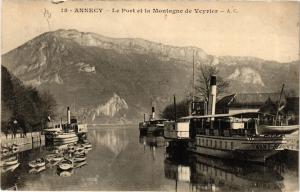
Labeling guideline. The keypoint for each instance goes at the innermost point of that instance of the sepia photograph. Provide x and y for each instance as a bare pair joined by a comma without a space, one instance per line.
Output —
149,95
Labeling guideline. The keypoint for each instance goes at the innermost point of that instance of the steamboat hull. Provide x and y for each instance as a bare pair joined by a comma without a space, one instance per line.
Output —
247,149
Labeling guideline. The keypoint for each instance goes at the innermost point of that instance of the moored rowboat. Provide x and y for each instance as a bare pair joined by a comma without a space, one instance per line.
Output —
10,161
65,164
79,158
10,168
37,163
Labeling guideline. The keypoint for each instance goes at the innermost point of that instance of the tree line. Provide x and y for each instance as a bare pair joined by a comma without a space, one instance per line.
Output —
23,108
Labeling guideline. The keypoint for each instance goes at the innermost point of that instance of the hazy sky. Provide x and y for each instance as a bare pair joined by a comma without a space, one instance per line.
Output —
260,29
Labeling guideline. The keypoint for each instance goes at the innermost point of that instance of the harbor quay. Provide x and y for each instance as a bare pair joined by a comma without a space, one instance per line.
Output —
24,143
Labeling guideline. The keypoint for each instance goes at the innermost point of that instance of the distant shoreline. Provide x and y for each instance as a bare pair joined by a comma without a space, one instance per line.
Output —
113,125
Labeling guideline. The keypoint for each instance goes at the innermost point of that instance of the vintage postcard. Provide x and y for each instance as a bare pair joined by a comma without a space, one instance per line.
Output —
149,95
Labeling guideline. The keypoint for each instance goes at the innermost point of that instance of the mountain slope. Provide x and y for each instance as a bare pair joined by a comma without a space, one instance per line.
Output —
112,80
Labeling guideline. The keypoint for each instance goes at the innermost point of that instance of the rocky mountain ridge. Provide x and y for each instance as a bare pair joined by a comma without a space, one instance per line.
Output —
117,80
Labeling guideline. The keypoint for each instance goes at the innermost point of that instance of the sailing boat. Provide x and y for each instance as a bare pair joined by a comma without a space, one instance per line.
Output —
277,125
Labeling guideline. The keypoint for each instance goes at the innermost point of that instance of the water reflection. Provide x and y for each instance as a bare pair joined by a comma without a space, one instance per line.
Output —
198,173
121,159
115,139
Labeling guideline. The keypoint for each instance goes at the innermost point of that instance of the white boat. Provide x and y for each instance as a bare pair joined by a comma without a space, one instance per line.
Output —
66,173
52,163
279,129
87,145
86,150
49,157
79,164
64,136
232,136
79,147
37,163
10,161
54,157
78,158
65,164
36,170
10,168
71,138
79,152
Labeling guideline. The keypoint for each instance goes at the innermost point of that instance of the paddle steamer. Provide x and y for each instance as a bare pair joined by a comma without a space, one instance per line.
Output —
233,136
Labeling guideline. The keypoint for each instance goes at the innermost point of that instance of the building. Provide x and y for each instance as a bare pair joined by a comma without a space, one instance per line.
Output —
248,102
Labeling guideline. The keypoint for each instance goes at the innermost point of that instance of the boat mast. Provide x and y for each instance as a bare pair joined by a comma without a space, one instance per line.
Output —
193,92
278,106
175,115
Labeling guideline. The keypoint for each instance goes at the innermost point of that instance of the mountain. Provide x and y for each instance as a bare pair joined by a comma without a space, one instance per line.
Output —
116,80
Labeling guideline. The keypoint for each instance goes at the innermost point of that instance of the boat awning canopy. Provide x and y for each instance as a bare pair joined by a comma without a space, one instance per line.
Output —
238,115
157,120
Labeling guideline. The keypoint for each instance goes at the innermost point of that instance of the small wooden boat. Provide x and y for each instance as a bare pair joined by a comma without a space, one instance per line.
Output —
49,157
87,145
79,164
54,157
10,161
78,158
58,157
65,164
52,163
37,163
87,150
279,129
36,170
80,151
10,168
79,147
66,173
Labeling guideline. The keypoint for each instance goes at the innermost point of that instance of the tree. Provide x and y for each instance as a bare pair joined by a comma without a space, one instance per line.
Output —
48,106
24,104
182,110
202,85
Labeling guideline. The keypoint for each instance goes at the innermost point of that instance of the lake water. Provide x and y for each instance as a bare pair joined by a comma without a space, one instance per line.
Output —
122,160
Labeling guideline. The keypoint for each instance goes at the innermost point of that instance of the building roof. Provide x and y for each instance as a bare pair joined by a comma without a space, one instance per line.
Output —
247,99
238,114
